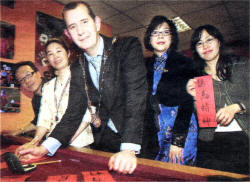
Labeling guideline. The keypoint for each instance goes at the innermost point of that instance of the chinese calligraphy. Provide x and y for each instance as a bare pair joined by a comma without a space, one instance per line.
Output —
205,101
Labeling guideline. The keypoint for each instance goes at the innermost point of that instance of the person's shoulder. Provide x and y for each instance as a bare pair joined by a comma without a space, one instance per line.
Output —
125,45
180,58
75,63
75,67
239,60
127,40
49,84
150,59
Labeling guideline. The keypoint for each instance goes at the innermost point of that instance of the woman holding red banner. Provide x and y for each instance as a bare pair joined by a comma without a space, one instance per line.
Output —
170,107
225,147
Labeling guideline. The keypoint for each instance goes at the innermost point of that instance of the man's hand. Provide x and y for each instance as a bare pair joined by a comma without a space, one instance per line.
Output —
32,153
226,114
176,154
123,162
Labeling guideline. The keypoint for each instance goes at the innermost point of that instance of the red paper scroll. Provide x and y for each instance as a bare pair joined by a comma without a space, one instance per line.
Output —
205,101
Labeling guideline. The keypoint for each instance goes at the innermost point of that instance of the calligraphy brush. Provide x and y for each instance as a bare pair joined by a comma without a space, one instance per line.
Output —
16,166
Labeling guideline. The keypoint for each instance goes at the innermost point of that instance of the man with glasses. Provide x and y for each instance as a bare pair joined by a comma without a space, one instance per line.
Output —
30,79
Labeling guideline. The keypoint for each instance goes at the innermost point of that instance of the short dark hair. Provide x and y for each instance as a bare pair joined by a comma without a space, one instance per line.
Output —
155,22
224,64
25,63
59,41
73,5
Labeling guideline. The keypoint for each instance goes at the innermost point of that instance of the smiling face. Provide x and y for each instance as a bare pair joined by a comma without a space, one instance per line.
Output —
161,41
208,47
57,56
29,79
82,29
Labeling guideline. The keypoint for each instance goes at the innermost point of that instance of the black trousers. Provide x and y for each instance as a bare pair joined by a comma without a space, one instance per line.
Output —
229,151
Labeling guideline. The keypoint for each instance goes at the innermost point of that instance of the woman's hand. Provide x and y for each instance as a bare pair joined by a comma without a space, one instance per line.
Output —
190,87
225,115
28,145
32,153
23,147
176,154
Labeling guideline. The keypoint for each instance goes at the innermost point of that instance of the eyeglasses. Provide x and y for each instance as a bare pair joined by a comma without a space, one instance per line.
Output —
155,33
209,41
28,76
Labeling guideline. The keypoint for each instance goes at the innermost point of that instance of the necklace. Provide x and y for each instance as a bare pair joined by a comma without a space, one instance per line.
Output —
61,96
95,119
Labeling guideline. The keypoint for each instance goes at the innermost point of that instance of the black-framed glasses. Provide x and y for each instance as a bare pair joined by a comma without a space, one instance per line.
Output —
155,33
27,76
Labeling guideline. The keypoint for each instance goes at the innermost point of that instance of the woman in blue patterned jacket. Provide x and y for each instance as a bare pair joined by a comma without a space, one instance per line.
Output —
170,106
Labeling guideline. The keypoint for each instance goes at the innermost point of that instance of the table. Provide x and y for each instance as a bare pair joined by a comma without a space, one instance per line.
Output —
91,165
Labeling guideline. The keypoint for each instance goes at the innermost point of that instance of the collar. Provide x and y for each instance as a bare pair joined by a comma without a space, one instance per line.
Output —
99,51
162,58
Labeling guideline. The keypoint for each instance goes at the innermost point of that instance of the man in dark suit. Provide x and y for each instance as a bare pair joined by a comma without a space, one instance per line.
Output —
110,76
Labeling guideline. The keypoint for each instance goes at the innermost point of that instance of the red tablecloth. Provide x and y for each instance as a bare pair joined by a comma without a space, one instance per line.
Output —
80,166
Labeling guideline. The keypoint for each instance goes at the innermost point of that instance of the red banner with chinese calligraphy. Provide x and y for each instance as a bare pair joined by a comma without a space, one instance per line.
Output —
205,101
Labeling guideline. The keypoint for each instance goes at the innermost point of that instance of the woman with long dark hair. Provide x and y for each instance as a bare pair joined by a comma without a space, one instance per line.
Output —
225,147
170,106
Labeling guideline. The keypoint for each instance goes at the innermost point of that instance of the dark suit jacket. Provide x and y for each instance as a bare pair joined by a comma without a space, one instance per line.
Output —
123,96
171,91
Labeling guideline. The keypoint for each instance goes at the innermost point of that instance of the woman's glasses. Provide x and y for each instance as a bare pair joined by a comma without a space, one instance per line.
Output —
209,41
156,33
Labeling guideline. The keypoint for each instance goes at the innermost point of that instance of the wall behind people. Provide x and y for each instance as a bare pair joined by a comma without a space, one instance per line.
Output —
23,16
